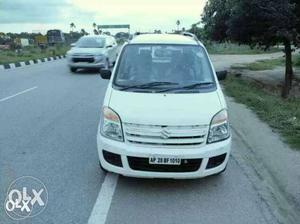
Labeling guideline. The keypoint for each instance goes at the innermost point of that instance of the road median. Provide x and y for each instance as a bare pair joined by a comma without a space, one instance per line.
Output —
30,62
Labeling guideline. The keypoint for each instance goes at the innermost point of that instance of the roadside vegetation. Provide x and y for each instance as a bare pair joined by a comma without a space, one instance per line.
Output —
283,115
31,53
265,24
270,64
232,48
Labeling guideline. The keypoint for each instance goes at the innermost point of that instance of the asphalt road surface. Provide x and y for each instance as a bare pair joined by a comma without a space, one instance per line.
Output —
48,124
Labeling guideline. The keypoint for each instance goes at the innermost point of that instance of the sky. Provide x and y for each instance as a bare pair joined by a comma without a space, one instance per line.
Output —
142,15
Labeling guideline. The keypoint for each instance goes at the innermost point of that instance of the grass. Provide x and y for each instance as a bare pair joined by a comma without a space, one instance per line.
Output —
231,48
30,53
266,64
282,115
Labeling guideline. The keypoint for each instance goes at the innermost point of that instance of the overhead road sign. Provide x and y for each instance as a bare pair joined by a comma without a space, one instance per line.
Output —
118,26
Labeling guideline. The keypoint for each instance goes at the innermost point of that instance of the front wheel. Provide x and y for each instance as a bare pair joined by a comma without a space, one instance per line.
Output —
73,69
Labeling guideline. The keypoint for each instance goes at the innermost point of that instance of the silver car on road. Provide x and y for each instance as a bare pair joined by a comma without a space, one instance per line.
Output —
95,51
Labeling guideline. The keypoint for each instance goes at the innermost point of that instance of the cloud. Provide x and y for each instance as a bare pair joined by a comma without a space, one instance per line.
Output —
140,14
36,11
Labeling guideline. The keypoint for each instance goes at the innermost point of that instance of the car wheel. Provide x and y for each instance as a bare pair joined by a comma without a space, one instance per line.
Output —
102,168
73,69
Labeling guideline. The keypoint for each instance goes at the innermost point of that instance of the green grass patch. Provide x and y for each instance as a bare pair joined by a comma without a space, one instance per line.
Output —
282,115
231,48
30,53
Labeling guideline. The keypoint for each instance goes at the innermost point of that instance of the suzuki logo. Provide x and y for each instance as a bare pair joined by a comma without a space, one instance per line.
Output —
165,134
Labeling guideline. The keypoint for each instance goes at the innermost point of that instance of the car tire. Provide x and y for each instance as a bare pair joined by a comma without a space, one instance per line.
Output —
73,70
102,168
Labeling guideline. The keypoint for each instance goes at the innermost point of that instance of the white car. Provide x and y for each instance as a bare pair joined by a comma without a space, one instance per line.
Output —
99,51
164,114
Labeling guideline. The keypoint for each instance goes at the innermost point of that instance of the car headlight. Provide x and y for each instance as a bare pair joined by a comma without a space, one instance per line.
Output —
111,125
219,127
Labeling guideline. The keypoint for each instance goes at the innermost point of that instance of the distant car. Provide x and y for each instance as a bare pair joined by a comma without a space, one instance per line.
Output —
99,51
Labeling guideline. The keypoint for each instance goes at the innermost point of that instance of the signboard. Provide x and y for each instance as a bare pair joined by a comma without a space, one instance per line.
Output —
119,26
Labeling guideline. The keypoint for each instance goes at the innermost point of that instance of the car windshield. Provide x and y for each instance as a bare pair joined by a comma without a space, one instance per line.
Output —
88,42
170,67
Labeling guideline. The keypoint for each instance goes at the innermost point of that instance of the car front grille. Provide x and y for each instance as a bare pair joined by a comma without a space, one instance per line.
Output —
142,164
165,135
89,60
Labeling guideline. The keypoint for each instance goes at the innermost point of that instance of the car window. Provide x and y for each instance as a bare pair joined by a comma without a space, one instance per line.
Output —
182,64
87,42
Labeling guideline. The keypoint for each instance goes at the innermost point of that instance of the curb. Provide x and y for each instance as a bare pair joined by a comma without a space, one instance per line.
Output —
30,62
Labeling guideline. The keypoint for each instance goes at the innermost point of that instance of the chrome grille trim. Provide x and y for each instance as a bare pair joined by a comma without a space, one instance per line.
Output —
82,55
165,135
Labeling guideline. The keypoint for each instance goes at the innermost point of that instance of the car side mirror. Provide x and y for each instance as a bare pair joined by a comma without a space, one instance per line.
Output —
73,44
221,75
105,73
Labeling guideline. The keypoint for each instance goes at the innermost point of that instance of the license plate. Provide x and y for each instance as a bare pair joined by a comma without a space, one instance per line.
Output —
159,160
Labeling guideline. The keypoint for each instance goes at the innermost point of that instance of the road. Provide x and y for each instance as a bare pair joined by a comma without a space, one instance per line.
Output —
48,127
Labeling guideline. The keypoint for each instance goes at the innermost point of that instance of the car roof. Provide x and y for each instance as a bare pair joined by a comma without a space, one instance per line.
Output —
163,39
97,36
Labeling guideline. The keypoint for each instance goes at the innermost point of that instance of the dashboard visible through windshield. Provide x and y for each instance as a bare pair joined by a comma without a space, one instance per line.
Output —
164,68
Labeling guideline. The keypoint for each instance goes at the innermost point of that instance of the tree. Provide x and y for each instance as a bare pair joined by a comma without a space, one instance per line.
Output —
198,31
96,32
215,16
266,23
83,32
297,12
72,26
178,24
94,25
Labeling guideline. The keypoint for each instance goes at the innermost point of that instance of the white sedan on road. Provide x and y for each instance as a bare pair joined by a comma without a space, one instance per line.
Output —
99,51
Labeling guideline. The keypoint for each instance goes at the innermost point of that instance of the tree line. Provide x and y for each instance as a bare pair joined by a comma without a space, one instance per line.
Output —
258,23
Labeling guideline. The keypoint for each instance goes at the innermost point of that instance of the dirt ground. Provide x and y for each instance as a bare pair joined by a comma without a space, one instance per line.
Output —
271,79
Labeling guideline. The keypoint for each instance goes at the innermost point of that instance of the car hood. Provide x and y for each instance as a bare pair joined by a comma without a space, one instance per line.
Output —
165,109
94,51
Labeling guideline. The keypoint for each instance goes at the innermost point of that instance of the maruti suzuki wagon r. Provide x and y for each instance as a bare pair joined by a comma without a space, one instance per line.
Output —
164,114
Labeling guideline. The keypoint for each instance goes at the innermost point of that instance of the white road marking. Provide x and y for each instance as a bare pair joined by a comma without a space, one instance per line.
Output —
17,94
102,204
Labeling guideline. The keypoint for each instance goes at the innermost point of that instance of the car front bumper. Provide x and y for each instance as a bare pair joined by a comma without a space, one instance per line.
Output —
126,150
96,63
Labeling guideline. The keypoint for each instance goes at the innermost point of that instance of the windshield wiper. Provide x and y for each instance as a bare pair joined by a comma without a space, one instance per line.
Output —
148,85
192,86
